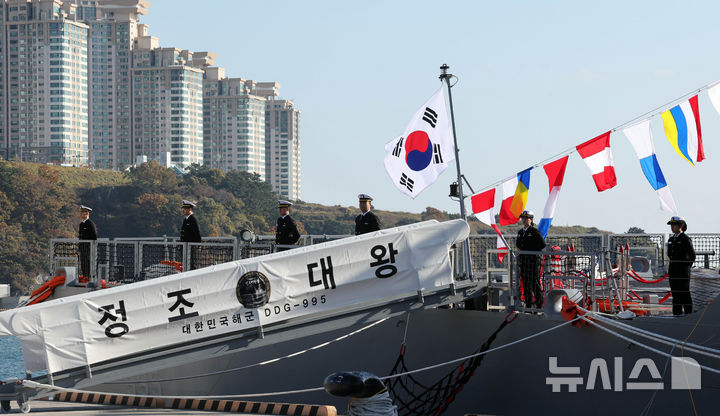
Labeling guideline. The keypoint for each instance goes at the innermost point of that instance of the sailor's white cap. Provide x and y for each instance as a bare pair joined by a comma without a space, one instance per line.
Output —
364,197
284,204
527,214
679,221
675,219
84,208
188,204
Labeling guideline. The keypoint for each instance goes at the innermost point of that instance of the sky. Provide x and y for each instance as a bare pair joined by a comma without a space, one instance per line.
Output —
534,79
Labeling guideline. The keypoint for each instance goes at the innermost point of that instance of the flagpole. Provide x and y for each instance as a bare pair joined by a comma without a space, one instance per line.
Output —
444,76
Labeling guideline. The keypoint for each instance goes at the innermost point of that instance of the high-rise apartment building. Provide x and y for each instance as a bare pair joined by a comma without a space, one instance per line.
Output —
282,141
234,123
45,97
113,32
83,83
166,103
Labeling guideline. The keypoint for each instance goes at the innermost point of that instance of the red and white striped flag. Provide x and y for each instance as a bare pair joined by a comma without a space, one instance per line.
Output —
597,156
483,206
556,173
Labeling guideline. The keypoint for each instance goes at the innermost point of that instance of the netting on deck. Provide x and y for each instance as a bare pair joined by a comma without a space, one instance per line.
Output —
415,398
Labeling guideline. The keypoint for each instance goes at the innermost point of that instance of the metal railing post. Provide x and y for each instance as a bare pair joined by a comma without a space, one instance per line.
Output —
93,262
593,275
514,284
139,260
52,255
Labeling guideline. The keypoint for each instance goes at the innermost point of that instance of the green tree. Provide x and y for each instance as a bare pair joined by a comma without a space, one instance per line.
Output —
204,174
36,208
151,176
153,212
256,195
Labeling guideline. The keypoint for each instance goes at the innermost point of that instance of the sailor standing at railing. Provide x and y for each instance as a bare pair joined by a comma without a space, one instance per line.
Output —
86,231
682,255
367,221
286,231
190,230
530,239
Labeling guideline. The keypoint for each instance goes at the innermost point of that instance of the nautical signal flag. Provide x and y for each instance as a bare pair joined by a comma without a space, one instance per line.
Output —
682,128
640,136
483,206
416,159
515,196
556,173
714,94
597,156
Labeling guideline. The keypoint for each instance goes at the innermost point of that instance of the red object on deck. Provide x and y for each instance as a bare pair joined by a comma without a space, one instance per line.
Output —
570,311
176,264
44,291
605,306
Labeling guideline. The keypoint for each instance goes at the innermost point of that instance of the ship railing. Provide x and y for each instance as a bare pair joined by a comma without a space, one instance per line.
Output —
580,276
130,260
480,244
599,280
64,252
705,255
648,251
173,239
501,291
125,259
115,260
575,274
651,246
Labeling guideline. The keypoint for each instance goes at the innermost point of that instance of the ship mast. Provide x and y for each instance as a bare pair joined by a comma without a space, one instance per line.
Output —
467,263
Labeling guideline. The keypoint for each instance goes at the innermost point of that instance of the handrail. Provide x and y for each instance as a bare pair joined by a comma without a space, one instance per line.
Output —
128,259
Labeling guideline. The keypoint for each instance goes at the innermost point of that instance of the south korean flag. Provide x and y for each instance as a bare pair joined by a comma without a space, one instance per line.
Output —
415,160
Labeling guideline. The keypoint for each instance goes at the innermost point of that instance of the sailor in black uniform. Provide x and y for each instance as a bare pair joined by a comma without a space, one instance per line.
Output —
86,231
530,239
286,232
366,222
190,232
682,255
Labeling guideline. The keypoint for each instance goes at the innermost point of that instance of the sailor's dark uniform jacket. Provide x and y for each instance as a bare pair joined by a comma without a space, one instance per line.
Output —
366,223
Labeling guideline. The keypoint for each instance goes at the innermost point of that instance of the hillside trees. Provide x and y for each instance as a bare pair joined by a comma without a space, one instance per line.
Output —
35,207
40,202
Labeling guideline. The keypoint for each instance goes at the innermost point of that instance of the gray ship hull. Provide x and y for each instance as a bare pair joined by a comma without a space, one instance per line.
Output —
511,380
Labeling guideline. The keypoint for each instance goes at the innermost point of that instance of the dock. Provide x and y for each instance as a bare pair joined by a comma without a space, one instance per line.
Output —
180,407
51,408
47,408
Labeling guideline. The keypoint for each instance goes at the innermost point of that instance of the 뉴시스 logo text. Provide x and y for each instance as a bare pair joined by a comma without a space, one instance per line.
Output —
684,375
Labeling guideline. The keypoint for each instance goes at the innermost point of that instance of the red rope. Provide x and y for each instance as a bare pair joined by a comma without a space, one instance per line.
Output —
665,298
632,295
634,275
